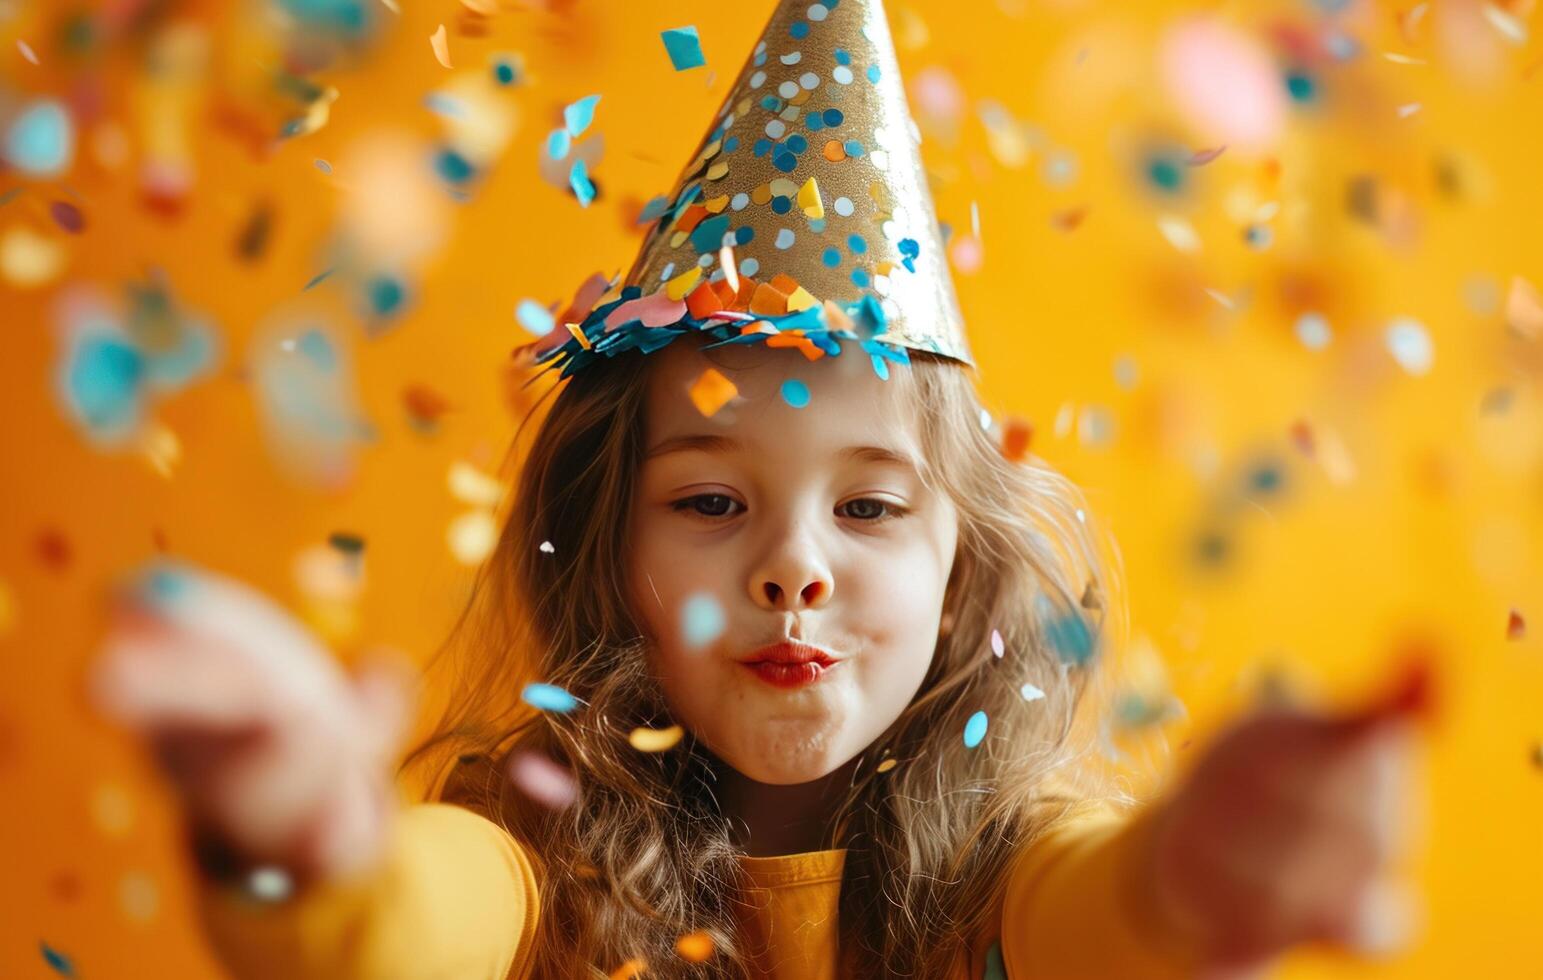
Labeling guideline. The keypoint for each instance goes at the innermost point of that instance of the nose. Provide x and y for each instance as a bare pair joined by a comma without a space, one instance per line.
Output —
793,576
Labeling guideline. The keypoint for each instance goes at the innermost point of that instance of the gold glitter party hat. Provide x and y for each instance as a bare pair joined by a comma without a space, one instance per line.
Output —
804,217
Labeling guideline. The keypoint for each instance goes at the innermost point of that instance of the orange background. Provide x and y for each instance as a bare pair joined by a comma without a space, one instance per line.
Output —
1435,538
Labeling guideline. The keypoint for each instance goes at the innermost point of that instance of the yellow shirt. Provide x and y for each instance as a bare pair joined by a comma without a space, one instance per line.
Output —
455,897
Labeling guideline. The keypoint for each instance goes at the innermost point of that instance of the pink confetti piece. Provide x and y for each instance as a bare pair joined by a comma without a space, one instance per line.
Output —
543,780
1203,157
654,310
997,646
26,51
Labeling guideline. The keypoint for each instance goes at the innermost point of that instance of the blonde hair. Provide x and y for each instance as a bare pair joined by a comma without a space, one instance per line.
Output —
643,856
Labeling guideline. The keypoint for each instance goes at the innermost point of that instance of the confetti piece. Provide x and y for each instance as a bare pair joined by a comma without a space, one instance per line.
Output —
28,259
677,288
997,647
1030,692
548,697
543,780
472,536
1510,27
886,765
655,739
1524,310
112,810
41,140
138,896
58,961
795,393
67,216
534,317
1516,626
1408,109
702,620
1249,110
1180,233
809,200
1410,345
694,947
1017,434
578,179
441,45
26,51
711,391
1312,329
684,47
975,730
1066,631
633,969
270,884
1068,219
472,486
1202,157
578,115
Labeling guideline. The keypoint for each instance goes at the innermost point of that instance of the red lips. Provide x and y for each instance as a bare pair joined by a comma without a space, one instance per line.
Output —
789,664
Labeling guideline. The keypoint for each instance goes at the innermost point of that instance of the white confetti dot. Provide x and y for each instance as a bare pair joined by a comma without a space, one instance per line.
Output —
547,548
740,202
758,79
785,238
818,11
776,128
270,884
809,80
843,206
1313,331
842,74
1030,692
787,89
1410,345
792,58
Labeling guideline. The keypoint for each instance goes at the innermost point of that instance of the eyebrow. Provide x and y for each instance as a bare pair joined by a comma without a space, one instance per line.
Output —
708,443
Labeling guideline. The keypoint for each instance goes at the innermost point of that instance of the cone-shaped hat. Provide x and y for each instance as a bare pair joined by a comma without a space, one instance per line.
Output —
804,217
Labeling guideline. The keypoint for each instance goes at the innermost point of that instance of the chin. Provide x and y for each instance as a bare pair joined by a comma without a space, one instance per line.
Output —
787,758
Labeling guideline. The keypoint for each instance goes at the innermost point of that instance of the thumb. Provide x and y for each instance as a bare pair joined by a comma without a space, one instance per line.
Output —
1410,699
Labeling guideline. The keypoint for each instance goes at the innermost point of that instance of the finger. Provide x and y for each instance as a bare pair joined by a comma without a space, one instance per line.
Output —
1410,699
1379,921
386,689
147,681
245,620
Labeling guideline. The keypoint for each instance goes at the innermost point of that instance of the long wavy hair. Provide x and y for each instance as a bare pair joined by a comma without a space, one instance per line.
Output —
644,854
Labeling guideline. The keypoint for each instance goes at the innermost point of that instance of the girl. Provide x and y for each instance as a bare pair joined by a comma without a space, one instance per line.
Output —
766,512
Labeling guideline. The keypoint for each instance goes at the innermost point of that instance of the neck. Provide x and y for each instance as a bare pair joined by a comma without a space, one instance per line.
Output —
769,820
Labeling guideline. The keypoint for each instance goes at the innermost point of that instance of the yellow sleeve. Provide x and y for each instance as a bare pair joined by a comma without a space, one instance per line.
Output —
1075,905
454,897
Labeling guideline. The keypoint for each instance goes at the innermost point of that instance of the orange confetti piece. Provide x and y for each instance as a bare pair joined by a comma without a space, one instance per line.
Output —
1516,626
768,300
886,765
711,391
690,218
440,42
1524,310
694,947
630,970
796,338
784,283
703,302
834,151
1016,436
1068,219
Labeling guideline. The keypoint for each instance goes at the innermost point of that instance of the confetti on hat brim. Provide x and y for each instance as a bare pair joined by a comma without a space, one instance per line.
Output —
811,172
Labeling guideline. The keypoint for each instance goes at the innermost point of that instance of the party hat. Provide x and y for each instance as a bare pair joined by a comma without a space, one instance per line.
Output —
803,219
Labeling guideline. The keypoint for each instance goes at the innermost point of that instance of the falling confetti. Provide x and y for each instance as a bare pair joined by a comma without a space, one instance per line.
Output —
1030,692
684,48
633,969
270,884
543,780
1017,434
975,730
711,391
886,765
702,620
655,739
1516,626
441,45
472,536
41,140
58,961
470,485
548,697
795,393
1410,345
997,647
694,947
26,51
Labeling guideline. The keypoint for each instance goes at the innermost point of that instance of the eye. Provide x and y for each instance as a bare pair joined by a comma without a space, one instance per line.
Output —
871,510
709,505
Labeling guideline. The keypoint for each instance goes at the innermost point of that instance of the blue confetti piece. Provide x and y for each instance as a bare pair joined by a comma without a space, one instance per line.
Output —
41,141
578,179
548,697
707,236
684,48
317,280
558,144
975,730
103,384
702,620
873,73
654,209
795,393
1067,632
453,167
384,295
58,961
831,257
535,317
996,969
580,114
316,346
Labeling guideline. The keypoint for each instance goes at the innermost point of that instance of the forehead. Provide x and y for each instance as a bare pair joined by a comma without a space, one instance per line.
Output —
848,403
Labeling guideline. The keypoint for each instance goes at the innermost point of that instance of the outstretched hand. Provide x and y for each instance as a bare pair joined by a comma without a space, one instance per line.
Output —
1286,831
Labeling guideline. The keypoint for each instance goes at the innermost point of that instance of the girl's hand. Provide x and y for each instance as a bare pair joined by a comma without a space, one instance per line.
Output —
277,754
1285,831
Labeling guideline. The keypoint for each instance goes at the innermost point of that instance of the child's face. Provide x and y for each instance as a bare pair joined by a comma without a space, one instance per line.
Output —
790,536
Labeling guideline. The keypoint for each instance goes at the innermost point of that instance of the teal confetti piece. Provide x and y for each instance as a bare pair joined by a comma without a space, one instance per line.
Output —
975,729
558,144
103,384
41,141
578,179
708,235
58,961
315,345
684,48
580,114
654,209
317,280
795,393
535,317
548,697
702,620
1067,632
996,969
